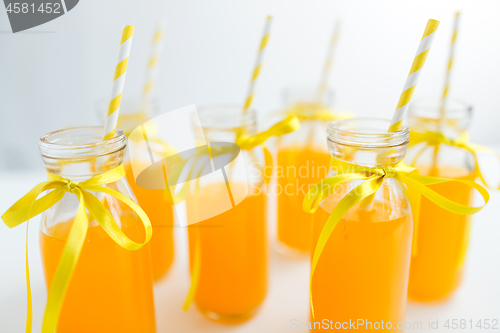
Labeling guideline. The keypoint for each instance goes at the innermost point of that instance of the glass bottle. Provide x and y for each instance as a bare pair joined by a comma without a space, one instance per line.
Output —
442,237
302,160
362,273
111,287
157,203
233,276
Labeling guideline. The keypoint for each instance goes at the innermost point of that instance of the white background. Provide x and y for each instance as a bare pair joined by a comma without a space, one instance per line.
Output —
53,75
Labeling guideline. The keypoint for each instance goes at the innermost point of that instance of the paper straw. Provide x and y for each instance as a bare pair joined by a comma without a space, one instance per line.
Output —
450,64
156,47
409,88
415,71
118,82
323,83
258,63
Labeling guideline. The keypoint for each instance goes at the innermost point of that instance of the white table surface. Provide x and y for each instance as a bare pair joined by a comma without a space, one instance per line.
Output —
477,298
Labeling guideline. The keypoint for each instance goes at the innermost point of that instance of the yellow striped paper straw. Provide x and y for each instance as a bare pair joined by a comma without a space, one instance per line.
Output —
118,82
415,71
156,48
258,63
329,60
450,63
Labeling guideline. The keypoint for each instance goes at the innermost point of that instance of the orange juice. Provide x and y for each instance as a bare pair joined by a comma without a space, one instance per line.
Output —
233,275
161,215
363,270
297,169
442,238
111,288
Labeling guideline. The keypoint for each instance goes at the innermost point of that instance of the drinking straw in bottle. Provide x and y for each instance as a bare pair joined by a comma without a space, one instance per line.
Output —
118,82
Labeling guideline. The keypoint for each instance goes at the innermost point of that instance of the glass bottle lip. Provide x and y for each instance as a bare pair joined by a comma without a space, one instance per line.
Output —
133,112
366,133
307,95
128,106
224,116
428,108
80,143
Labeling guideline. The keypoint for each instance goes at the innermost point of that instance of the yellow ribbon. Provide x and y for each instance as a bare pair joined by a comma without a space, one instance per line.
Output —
29,206
246,142
287,125
434,139
243,140
373,178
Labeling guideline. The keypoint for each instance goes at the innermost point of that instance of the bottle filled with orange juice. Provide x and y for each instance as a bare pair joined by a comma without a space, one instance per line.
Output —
157,203
228,244
441,236
111,289
362,272
302,160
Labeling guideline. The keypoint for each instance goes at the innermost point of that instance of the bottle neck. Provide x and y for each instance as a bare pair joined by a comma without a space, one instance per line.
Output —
79,153
452,120
223,123
366,142
308,97
133,113
81,169
308,103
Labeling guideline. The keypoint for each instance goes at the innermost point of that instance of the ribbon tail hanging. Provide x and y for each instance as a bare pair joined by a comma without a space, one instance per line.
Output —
65,268
366,189
195,274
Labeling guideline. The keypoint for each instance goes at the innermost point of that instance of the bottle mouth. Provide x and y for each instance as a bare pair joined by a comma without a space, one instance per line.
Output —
307,95
366,133
129,106
80,143
430,115
225,116
432,109
133,112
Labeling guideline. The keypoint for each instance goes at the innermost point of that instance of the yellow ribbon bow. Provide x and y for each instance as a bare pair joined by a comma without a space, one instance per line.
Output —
247,142
434,139
287,125
29,206
199,158
373,178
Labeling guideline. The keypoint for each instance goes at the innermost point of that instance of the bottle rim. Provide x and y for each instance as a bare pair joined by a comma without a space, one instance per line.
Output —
80,143
293,95
428,108
224,116
128,106
366,133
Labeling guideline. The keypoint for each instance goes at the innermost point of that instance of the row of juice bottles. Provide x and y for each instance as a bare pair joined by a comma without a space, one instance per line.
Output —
367,268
